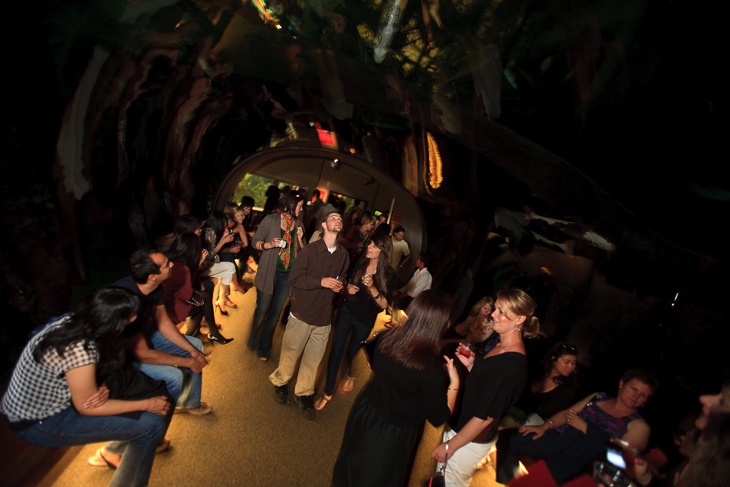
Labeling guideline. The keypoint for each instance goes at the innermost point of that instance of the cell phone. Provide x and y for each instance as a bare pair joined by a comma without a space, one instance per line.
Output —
615,457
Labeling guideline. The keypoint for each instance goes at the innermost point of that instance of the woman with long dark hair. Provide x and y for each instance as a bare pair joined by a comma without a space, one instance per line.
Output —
280,237
369,293
494,383
408,387
216,235
54,398
183,293
553,390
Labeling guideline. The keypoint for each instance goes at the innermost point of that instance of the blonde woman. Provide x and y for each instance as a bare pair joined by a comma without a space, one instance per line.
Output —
495,382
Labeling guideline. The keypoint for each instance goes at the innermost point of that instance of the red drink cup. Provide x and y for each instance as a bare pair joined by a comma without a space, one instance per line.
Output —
465,349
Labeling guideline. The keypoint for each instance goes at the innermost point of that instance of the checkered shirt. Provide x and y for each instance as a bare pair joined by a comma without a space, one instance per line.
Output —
39,390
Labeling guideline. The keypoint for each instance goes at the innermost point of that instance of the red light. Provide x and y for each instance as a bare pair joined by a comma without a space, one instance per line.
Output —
325,136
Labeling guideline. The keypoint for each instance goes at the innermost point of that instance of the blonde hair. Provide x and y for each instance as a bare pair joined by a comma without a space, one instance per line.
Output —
521,304
367,219
480,304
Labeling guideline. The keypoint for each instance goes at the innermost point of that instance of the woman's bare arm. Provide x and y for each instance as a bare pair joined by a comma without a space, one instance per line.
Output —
82,384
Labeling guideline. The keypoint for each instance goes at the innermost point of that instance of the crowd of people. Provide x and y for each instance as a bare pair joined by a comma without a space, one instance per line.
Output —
117,367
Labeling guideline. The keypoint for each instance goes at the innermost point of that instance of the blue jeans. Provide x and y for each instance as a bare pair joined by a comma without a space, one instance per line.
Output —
346,324
182,384
262,333
69,428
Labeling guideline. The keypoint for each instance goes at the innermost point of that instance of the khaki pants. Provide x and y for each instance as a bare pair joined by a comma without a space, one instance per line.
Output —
298,337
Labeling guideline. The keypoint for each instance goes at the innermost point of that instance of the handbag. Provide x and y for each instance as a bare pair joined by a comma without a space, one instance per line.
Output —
438,479
128,383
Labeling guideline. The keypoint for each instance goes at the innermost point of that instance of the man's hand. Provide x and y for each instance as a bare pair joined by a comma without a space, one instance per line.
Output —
197,364
98,398
332,283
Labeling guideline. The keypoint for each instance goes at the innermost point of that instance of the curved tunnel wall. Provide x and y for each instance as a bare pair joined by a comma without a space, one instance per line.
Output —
310,168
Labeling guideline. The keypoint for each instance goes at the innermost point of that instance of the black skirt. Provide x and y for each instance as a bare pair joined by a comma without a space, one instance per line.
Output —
374,451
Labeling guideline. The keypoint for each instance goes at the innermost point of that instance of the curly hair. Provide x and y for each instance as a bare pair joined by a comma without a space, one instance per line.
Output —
709,465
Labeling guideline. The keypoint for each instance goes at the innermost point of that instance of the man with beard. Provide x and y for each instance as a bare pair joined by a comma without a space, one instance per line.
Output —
314,284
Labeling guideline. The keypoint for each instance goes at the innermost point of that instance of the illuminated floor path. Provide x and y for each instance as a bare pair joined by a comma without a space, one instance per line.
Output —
248,439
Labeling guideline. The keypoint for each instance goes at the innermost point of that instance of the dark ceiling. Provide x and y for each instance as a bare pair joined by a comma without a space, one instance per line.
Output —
600,107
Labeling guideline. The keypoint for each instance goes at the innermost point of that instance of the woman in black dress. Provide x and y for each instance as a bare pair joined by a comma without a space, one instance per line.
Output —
408,386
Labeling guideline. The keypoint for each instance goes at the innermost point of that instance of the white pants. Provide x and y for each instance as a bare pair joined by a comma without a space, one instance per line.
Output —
224,270
461,466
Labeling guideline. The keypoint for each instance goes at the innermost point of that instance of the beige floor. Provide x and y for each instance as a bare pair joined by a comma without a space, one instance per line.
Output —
248,439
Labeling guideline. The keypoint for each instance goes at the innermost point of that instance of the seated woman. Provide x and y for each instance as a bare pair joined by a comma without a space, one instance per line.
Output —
494,383
408,387
709,464
368,294
476,329
553,391
240,237
54,398
247,220
216,235
242,215
183,293
571,438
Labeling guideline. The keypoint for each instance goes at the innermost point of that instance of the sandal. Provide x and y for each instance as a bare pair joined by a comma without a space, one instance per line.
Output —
163,445
320,403
348,385
108,463
97,460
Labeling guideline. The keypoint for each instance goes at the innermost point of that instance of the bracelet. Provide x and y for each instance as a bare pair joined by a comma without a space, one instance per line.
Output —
551,423
452,389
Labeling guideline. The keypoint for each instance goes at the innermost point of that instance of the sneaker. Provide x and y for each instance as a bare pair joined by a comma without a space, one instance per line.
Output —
201,410
280,393
307,405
